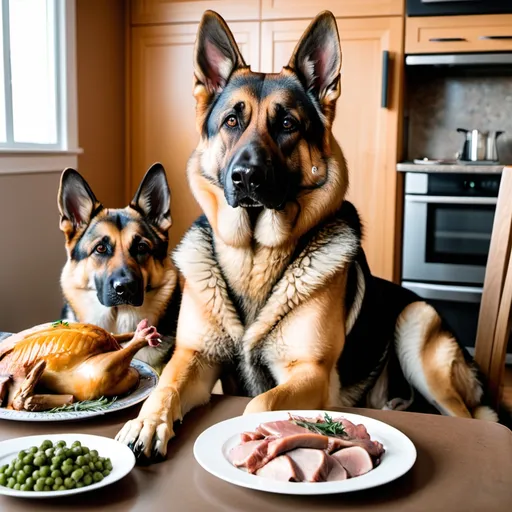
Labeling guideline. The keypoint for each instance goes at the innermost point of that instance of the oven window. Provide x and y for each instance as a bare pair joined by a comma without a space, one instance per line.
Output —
459,233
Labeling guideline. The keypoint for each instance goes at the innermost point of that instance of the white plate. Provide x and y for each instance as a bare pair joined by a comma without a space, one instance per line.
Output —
123,460
213,445
148,380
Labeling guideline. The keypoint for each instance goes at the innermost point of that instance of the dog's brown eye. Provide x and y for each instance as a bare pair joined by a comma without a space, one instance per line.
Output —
142,248
232,121
288,123
101,249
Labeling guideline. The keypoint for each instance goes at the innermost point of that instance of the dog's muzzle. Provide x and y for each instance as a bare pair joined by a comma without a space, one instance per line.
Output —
122,288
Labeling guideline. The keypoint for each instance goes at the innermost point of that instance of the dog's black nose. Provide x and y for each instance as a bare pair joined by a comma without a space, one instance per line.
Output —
125,287
247,178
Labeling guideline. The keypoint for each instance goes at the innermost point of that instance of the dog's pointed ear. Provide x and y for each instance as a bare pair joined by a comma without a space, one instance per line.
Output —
317,60
216,56
153,198
77,202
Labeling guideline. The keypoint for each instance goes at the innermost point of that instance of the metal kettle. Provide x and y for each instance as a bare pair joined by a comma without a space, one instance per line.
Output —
479,146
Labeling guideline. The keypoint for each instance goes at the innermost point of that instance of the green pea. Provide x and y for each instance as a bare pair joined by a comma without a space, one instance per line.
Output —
58,481
3,468
54,467
49,481
79,485
39,487
18,465
17,487
69,483
28,459
56,460
9,471
68,461
87,480
67,469
68,453
21,477
25,487
55,487
47,488
85,450
99,465
28,469
45,471
41,481
80,460
77,475
22,454
39,461
108,464
60,444
60,452
92,466
56,473
36,474
76,443
33,449
46,444
30,481
87,457
11,483
77,450
62,488
3,479
106,472
94,453
49,452
86,469
97,477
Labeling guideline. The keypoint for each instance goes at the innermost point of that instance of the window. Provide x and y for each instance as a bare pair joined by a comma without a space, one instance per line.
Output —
37,78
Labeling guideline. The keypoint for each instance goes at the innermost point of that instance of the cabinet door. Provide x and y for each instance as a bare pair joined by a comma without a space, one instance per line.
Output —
366,131
180,11
162,108
275,9
442,34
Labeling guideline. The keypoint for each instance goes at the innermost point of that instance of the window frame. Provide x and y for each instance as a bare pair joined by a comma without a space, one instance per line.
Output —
34,158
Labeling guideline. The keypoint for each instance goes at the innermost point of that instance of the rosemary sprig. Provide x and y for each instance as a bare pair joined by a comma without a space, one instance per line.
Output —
86,405
60,322
327,428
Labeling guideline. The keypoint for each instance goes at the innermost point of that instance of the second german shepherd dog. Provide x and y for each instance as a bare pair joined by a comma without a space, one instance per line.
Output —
278,300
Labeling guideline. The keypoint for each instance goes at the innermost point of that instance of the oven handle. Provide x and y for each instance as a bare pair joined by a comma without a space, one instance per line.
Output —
470,294
451,199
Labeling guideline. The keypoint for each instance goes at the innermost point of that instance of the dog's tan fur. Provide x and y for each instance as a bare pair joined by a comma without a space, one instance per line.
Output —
309,339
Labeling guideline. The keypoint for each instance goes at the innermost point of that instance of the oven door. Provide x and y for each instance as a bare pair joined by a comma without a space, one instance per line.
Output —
447,239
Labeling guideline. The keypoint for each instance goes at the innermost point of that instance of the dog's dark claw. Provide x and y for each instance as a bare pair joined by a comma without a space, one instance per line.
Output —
137,450
131,445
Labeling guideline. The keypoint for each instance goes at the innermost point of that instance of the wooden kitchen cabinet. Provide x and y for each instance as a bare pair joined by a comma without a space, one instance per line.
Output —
272,9
162,108
449,34
366,131
183,11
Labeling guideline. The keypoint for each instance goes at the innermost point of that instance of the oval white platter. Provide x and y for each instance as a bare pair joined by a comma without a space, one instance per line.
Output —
123,460
148,380
213,445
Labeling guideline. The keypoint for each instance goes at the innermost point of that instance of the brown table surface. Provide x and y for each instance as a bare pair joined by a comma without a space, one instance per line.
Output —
462,465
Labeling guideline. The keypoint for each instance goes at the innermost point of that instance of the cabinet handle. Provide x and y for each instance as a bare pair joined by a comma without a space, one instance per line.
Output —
447,39
385,79
496,38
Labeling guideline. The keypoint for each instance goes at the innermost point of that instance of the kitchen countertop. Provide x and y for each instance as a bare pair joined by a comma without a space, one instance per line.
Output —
449,168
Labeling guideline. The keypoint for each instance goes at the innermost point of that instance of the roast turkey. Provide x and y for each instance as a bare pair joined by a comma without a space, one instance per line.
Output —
65,362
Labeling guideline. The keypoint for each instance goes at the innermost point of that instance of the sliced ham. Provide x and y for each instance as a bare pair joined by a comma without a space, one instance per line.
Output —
374,448
250,436
281,469
249,454
352,430
336,470
312,465
355,460
281,428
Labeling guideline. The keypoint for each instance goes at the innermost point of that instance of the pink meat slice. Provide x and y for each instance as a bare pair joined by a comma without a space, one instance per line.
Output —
352,430
249,454
250,436
374,448
281,428
336,471
355,460
312,465
281,469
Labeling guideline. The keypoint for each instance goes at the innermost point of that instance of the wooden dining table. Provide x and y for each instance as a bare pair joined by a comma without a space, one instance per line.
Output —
462,465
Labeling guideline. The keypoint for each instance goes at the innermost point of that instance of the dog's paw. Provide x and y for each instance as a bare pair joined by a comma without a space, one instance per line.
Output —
147,437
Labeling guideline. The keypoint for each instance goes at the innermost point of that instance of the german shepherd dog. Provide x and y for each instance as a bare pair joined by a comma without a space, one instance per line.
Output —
118,269
278,300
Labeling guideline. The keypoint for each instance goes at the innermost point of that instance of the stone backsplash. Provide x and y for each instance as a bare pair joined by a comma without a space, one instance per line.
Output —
437,105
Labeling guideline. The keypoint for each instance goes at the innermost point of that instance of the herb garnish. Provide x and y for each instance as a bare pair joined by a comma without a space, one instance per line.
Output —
327,428
60,322
86,405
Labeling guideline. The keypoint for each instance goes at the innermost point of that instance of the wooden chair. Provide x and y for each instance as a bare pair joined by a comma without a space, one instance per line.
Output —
495,319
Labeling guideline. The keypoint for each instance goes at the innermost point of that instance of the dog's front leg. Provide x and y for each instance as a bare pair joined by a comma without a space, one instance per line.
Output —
186,382
306,387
